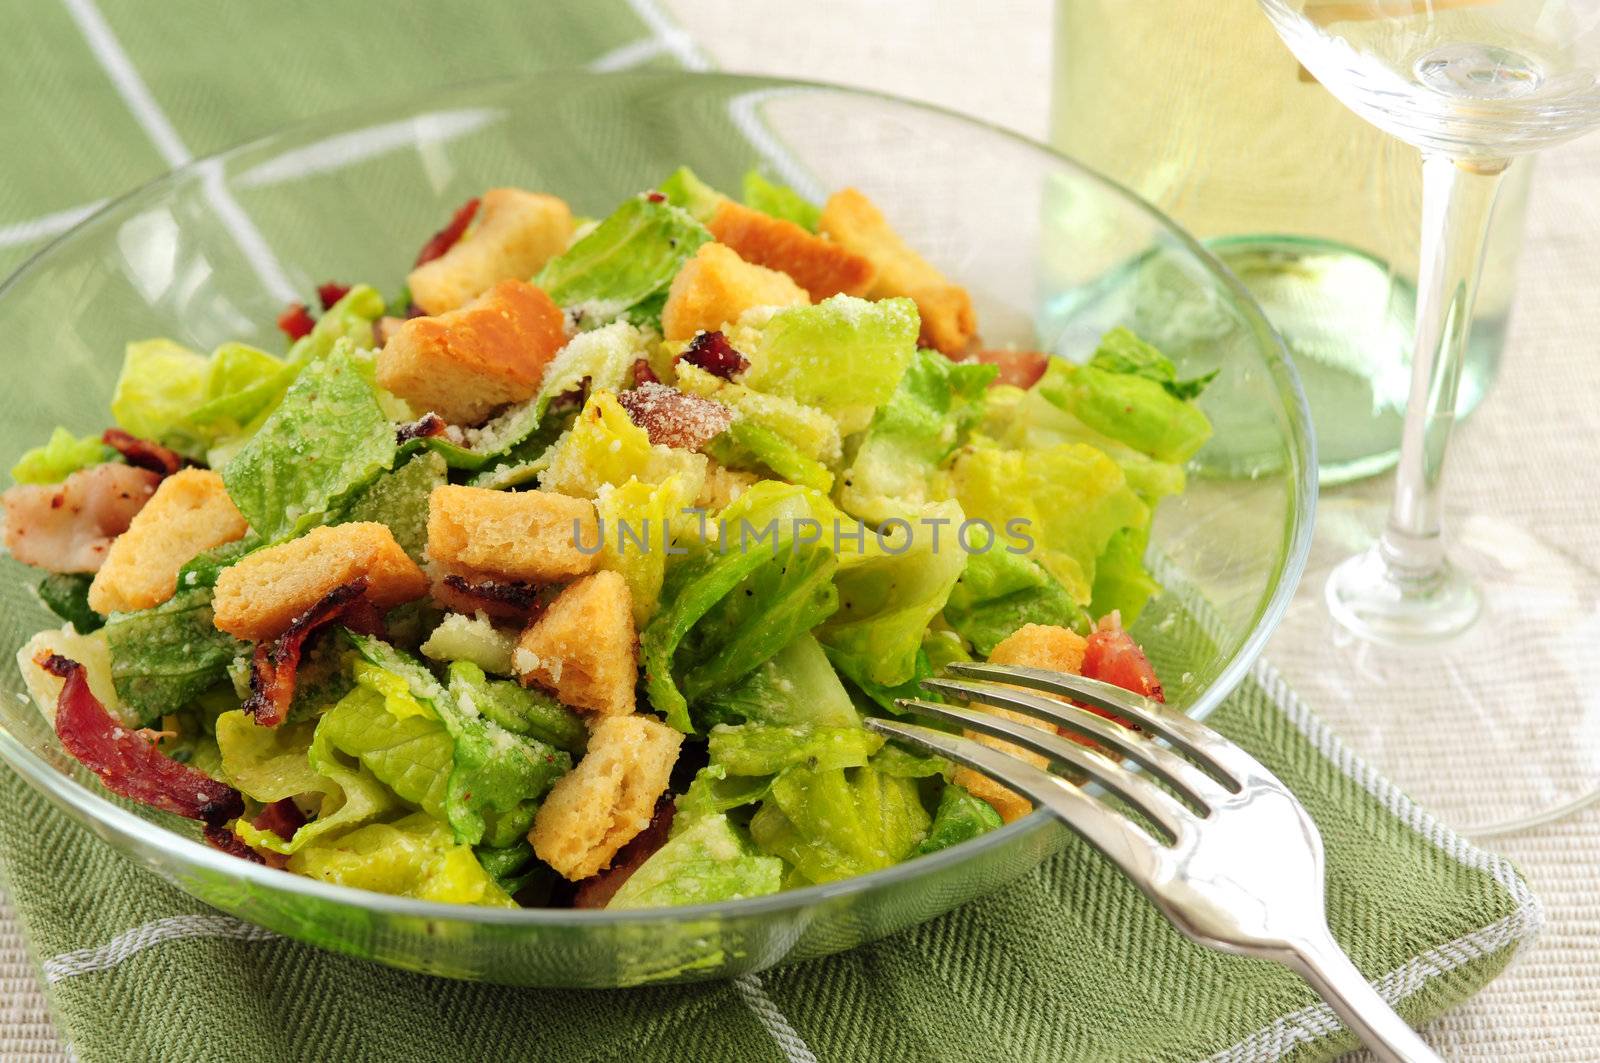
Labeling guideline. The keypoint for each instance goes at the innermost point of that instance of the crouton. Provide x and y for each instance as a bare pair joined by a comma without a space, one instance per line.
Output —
821,267
516,233
465,364
948,323
582,647
716,286
260,595
1037,646
514,535
603,803
190,512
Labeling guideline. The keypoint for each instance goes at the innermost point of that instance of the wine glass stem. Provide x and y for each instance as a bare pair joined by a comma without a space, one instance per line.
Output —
1457,200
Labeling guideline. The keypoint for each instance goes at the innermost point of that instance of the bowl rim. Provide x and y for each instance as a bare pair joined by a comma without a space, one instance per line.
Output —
100,811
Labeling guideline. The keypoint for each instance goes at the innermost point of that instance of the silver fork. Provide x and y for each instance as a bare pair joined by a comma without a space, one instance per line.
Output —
1238,866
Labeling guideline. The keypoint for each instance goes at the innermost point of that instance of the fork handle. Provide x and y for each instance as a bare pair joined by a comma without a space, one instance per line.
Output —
1324,965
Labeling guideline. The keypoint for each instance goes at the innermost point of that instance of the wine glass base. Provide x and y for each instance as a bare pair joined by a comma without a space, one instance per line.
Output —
1364,596
1495,728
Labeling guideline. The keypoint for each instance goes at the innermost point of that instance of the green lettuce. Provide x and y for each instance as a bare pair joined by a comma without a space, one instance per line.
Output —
807,429
766,749
598,360
624,265
707,862
780,201
687,192
411,857
1000,592
713,791
752,446
797,685
1127,405
1121,582
351,318
931,414
844,355
606,447
399,499
1120,351
837,823
160,383
639,554
327,439
59,457
162,658
410,753
66,594
959,817
518,709
473,639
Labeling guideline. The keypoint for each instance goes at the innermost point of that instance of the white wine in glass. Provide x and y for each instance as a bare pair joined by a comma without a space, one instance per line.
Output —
1503,640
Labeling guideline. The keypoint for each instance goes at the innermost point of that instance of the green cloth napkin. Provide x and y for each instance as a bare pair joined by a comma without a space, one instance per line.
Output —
1070,964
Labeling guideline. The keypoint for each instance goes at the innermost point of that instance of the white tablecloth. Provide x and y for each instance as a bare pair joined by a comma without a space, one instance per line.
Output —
993,60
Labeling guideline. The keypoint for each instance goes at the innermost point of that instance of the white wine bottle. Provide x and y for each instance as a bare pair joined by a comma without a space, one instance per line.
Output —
1197,106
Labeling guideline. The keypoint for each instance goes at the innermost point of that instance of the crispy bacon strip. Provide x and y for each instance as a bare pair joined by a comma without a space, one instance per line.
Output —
425,427
446,238
142,453
330,293
505,600
712,352
128,763
224,839
597,890
272,672
296,321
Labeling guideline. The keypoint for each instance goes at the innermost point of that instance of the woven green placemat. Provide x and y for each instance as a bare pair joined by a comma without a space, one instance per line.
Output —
1070,964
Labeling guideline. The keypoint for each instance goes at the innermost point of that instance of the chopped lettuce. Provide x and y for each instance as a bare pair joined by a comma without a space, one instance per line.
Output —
797,685
1120,351
836,823
780,201
1061,505
351,318
399,499
159,384
714,791
598,360
243,385
889,591
746,445
59,457
409,752
959,817
472,638
807,429
89,650
636,521
267,764
412,857
1000,591
1127,406
327,439
844,355
518,709
766,749
164,657
932,413
604,446
625,262
1121,582
66,594
687,192
704,863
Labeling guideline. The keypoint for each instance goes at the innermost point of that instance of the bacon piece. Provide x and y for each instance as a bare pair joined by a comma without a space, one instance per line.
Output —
643,374
673,418
712,352
445,238
225,840
425,427
68,527
296,321
272,671
596,891
1018,368
126,762
655,197
1113,657
142,453
502,599
330,293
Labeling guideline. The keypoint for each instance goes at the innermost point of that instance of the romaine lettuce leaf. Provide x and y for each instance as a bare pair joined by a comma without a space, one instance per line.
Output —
518,709
604,446
1120,351
752,446
780,201
1000,592
810,431
59,457
1121,582
932,413
412,857
351,318
399,499
796,685
327,439
844,355
838,823
518,872
706,862
959,817
1129,407
243,385
1060,505
599,360
164,657
714,791
766,749
686,191
267,764
472,638
636,522
623,262
66,594
160,383
410,753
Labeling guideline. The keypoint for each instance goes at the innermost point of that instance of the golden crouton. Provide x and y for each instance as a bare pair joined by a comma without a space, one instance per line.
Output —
258,597
190,512
513,535
599,806
465,364
1037,646
821,267
514,235
716,286
948,323
582,647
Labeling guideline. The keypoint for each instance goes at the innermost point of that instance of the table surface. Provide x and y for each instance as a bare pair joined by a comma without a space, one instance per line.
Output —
992,60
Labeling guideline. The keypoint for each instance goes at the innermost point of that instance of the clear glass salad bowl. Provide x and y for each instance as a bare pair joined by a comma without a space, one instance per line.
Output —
1052,253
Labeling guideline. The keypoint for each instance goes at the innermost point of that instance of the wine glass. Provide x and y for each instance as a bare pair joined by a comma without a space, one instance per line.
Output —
1479,663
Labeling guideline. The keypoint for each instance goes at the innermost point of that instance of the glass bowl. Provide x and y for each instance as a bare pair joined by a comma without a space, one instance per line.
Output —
1052,253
